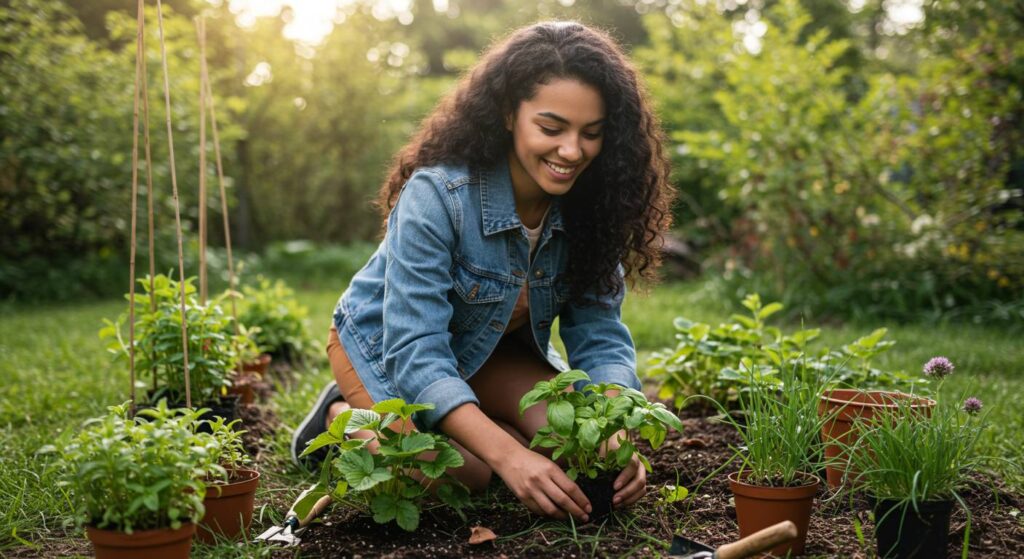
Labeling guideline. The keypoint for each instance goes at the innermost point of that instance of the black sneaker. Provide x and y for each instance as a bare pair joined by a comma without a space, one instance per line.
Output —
314,424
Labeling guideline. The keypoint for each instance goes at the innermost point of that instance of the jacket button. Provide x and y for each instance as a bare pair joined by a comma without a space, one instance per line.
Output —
473,292
539,273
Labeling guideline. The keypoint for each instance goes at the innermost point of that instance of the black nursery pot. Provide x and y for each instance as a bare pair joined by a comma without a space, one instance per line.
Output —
904,533
600,492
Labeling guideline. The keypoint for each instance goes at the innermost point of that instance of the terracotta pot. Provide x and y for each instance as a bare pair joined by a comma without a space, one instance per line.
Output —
758,507
163,543
259,365
846,406
904,533
229,507
600,492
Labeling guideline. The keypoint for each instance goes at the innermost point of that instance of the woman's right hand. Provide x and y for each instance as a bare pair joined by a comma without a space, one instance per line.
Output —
542,486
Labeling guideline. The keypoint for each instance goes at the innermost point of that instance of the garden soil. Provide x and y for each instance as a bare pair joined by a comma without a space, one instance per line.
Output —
693,459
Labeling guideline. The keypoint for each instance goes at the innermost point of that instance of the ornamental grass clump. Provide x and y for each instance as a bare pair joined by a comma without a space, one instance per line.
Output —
393,482
781,428
920,457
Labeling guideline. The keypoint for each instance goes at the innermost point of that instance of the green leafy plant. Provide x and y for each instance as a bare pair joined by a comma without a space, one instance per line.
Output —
228,449
582,424
393,481
723,361
212,344
276,320
126,474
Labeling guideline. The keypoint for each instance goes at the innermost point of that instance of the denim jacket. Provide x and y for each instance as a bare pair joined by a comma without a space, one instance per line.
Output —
430,306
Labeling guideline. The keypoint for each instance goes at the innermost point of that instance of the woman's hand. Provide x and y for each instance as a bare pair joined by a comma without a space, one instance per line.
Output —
542,486
631,484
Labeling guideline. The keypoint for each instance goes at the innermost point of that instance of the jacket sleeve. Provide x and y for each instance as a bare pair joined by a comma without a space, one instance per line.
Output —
597,341
417,344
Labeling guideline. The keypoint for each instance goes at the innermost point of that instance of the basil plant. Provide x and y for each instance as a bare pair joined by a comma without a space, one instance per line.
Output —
582,424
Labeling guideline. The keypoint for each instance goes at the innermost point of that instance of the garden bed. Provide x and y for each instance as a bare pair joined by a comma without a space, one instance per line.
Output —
706,516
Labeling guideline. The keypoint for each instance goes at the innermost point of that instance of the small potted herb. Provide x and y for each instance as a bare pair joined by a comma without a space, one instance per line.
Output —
212,345
844,406
594,430
231,491
136,484
277,319
393,481
914,471
780,450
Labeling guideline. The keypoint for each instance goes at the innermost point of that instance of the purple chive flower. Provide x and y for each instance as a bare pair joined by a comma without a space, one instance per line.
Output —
938,367
972,405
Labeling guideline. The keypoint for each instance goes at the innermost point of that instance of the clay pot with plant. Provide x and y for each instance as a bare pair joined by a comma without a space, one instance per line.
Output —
278,321
231,489
844,407
135,484
780,449
212,346
593,431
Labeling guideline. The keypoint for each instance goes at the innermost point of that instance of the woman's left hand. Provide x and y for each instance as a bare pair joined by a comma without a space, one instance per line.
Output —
631,484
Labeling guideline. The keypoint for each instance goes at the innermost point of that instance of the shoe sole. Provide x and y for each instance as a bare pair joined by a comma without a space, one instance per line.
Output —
312,416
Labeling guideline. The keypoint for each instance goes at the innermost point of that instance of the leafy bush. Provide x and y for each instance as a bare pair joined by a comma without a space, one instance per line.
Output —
721,362
277,319
127,475
384,483
582,424
887,199
212,344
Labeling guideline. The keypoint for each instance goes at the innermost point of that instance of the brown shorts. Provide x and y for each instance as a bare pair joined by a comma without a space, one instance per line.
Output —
348,381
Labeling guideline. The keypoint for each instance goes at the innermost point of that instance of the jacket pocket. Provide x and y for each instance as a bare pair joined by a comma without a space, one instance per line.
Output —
474,298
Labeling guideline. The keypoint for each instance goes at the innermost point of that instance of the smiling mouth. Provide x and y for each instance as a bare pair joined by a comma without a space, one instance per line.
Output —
560,169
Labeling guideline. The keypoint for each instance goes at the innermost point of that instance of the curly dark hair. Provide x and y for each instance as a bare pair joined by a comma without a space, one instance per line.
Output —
619,215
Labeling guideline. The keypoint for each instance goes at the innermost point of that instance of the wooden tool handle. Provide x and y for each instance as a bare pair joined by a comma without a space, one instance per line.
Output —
319,507
758,541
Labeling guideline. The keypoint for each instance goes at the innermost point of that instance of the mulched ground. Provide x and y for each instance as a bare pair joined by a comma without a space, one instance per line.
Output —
707,515
688,459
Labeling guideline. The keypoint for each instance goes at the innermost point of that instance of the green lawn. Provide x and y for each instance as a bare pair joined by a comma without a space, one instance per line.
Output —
55,374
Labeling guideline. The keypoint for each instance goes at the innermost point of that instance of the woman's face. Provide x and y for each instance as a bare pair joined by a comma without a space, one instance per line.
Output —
556,134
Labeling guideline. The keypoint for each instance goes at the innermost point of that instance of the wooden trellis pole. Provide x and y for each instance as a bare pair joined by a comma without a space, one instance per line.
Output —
177,210
201,34
211,105
139,55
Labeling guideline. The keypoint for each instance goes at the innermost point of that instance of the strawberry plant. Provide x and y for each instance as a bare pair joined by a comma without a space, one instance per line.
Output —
393,482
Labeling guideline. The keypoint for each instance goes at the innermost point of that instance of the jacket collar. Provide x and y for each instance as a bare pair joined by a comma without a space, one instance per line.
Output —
497,199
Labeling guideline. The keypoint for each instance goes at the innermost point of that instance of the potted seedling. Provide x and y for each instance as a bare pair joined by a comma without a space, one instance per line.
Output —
780,450
212,346
278,320
914,470
593,431
231,491
254,365
389,475
136,485
845,406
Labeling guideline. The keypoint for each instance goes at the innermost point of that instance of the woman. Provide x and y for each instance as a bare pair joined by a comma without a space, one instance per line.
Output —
529,194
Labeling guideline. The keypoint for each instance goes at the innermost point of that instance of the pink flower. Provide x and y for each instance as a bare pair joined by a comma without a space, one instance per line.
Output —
938,367
972,405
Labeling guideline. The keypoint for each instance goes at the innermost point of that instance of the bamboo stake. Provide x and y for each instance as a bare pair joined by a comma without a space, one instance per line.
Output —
223,196
149,183
177,207
135,209
201,35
